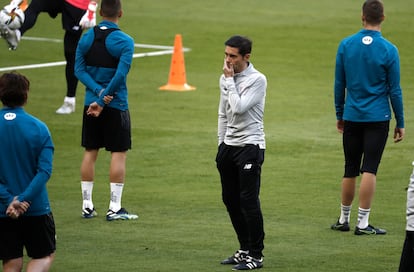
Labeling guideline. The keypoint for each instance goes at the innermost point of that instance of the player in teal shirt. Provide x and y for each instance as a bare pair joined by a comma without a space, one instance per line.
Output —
103,59
108,79
25,160
368,74
26,220
367,82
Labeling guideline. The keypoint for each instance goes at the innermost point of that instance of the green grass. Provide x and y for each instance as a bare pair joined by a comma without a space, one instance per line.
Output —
172,182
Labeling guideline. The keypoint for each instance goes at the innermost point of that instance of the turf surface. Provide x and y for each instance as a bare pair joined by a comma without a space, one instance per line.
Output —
172,182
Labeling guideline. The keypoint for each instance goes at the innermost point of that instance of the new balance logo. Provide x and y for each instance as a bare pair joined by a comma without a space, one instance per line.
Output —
247,166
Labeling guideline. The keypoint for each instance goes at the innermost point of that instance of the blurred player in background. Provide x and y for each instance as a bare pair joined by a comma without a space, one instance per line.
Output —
26,156
76,16
407,255
103,60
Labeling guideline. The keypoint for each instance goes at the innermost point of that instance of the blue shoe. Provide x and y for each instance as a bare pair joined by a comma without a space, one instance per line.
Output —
122,214
249,264
236,258
89,213
340,227
370,230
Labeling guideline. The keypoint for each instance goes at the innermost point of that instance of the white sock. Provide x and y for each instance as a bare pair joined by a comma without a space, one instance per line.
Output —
18,35
363,217
71,100
87,188
345,214
116,196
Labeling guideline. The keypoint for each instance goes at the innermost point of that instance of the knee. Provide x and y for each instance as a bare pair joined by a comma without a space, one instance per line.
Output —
49,259
42,264
231,202
250,206
13,265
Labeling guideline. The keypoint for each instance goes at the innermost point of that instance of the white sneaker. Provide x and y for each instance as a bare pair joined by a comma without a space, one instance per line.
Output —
68,106
11,36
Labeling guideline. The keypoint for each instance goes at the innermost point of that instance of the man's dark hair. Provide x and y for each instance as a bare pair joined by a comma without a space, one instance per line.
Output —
13,89
244,44
373,11
110,8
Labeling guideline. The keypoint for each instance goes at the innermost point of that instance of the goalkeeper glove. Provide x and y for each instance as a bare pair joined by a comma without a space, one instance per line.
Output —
89,18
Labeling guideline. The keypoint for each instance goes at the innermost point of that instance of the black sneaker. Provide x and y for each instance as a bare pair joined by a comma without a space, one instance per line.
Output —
249,264
122,214
89,213
340,227
236,258
370,230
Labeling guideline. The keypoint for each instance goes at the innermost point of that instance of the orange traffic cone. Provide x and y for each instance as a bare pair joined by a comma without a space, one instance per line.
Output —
177,80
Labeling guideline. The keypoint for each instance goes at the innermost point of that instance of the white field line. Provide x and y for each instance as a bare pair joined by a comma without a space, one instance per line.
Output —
167,50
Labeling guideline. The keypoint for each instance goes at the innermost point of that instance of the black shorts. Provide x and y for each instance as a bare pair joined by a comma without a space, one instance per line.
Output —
70,15
53,8
35,233
363,142
111,129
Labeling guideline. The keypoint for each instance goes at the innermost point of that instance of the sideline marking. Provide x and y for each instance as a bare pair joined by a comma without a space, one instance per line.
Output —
163,50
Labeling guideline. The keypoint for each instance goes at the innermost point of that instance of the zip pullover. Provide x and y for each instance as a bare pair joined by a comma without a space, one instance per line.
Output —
241,108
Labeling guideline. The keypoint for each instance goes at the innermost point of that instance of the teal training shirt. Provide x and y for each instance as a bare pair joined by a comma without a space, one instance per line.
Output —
367,79
25,161
113,80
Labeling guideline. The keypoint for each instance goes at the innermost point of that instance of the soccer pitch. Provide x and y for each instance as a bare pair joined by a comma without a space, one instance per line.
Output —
172,182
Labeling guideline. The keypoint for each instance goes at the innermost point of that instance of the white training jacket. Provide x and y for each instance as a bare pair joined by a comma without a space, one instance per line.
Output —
241,108
410,204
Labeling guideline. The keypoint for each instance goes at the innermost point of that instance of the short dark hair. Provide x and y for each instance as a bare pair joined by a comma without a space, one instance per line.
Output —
13,89
373,11
111,8
244,44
